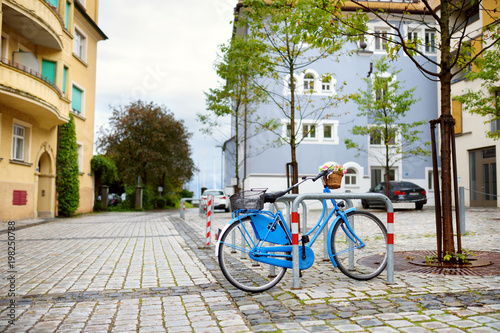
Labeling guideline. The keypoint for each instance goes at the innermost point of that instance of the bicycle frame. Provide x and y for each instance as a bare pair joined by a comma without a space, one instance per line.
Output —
266,224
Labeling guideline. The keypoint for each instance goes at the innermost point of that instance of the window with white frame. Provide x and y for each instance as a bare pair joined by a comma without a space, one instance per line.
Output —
80,45
288,132
381,87
309,131
378,176
377,136
309,82
430,179
413,37
381,37
424,38
351,177
20,141
77,100
327,131
430,40
326,84
319,132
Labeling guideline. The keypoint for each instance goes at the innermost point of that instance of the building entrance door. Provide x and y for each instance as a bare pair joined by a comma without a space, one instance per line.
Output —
483,177
45,180
378,175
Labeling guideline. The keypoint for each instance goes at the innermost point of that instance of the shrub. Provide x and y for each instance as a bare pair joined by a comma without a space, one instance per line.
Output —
160,202
98,206
68,181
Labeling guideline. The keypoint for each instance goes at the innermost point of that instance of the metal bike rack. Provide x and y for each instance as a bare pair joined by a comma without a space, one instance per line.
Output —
344,196
287,199
193,200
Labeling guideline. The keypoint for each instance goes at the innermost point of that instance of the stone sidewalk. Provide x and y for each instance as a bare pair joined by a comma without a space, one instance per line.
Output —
149,272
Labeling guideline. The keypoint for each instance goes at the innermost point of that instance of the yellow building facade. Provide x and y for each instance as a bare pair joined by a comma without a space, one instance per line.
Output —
47,71
477,154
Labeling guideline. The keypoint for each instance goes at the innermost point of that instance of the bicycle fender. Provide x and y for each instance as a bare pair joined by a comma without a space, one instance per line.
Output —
217,245
330,232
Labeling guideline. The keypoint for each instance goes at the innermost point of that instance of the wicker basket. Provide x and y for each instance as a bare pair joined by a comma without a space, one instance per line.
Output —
253,199
333,180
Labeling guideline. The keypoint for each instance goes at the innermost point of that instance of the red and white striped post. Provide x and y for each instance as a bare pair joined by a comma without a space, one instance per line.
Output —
295,250
390,244
210,200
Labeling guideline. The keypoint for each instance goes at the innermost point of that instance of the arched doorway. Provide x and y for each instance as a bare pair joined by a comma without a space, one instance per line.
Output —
45,200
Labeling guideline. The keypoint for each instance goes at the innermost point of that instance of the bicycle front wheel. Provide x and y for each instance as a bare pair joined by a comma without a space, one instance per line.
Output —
236,265
364,257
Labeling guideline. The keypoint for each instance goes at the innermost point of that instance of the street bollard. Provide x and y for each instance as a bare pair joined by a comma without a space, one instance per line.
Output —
210,200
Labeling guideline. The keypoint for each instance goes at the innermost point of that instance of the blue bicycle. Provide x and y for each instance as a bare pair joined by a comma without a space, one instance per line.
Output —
254,249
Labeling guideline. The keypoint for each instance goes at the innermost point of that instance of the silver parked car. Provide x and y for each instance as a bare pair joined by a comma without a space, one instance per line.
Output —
221,200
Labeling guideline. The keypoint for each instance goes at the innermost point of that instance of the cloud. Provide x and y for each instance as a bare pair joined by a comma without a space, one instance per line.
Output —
162,51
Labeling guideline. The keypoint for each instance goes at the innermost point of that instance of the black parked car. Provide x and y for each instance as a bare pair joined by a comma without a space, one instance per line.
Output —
400,192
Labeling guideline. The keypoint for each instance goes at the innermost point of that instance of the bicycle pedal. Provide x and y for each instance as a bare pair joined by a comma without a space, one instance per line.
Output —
305,239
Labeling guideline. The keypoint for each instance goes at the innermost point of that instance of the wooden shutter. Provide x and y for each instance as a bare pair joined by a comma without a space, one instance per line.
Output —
19,198
76,99
49,70
456,110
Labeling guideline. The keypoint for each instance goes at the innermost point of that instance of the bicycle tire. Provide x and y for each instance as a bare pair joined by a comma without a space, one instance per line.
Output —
241,271
360,263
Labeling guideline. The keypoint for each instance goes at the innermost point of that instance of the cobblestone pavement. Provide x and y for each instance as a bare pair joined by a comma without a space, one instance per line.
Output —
149,272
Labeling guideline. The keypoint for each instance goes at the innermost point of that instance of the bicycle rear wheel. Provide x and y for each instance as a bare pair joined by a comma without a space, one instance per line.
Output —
353,259
236,265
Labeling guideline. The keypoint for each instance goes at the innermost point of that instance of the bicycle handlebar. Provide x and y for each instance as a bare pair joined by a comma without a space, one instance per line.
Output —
321,174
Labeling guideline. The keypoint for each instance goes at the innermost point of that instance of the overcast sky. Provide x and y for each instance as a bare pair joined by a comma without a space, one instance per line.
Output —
164,51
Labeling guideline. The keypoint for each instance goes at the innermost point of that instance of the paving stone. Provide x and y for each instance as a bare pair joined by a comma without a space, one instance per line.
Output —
432,325
399,323
414,329
384,329
483,330
149,269
349,328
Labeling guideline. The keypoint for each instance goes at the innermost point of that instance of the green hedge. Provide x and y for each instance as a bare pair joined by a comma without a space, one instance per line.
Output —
68,181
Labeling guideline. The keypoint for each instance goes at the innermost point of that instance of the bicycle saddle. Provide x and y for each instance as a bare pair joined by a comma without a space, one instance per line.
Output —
272,197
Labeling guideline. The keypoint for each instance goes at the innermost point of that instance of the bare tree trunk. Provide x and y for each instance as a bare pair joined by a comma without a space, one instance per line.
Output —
387,175
237,143
446,128
293,147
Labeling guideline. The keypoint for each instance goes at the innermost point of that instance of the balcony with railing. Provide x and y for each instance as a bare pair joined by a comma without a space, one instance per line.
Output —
35,20
25,89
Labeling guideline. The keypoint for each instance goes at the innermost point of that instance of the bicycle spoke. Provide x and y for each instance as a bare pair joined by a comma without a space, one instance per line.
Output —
362,253
238,268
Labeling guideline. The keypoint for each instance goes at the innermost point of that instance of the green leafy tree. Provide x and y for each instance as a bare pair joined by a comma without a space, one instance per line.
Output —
486,100
105,171
146,141
293,35
68,182
448,22
240,63
387,106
